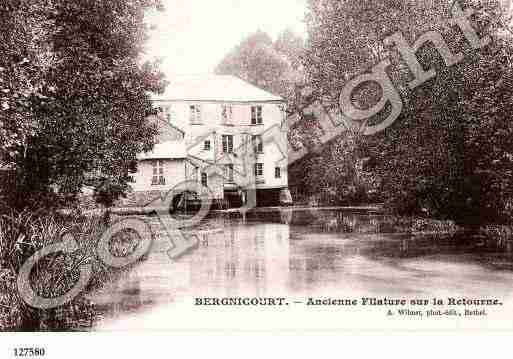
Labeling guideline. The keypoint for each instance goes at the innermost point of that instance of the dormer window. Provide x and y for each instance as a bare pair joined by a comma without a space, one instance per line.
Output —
256,115
227,114
195,114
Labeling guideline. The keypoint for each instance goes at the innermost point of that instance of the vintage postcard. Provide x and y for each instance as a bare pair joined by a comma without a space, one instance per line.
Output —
271,166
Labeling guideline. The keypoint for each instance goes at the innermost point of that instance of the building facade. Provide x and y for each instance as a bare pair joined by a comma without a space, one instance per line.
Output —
163,168
235,136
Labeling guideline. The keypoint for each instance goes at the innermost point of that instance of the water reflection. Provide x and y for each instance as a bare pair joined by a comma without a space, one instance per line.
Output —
250,258
302,253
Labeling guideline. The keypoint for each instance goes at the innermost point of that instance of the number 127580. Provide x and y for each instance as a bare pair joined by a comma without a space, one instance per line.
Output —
29,352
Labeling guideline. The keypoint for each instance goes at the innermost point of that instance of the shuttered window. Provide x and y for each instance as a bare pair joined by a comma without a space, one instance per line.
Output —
256,115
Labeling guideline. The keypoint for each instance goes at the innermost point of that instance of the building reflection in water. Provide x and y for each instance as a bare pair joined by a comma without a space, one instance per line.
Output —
249,259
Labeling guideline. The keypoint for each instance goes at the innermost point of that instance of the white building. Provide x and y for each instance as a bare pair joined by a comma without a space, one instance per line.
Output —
235,138
163,168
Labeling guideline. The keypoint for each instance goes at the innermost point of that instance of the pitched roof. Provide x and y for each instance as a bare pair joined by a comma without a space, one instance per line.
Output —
166,150
224,88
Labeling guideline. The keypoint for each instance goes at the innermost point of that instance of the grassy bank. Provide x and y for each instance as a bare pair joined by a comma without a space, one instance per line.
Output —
22,235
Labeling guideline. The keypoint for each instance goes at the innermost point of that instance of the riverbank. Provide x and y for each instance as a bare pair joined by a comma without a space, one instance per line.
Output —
23,236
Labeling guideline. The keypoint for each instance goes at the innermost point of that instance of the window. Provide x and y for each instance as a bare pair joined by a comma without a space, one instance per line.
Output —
228,143
207,146
158,173
256,115
259,169
228,172
277,172
227,114
258,144
195,112
204,179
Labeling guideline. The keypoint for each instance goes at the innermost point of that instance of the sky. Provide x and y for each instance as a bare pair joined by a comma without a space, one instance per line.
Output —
193,36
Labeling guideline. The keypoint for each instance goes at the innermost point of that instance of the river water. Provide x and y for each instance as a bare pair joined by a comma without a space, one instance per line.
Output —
298,254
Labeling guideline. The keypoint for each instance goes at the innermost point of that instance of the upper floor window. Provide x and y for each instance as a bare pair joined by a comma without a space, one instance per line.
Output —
195,114
158,177
277,172
207,145
258,144
256,115
227,114
259,169
228,143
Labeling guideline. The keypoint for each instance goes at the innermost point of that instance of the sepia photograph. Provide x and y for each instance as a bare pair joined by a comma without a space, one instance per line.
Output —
269,166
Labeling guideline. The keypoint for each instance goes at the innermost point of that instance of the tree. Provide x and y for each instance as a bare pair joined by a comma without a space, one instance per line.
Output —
345,37
90,102
428,160
272,66
24,58
292,46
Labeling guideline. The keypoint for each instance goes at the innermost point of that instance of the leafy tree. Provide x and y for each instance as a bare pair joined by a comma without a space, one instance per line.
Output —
24,58
447,155
89,100
292,45
450,154
431,161
272,66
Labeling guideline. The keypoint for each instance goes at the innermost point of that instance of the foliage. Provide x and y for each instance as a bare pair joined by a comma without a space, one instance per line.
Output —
272,66
334,175
346,37
459,128
75,95
448,155
21,235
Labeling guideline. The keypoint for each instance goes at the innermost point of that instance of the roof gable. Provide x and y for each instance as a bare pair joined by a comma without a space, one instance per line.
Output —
166,150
